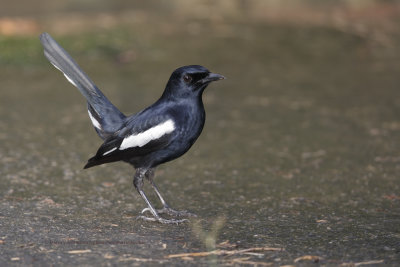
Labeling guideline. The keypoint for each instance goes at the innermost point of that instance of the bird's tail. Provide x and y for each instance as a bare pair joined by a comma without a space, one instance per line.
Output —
106,118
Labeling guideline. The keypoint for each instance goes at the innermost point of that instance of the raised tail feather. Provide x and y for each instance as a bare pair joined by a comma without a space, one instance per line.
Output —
106,118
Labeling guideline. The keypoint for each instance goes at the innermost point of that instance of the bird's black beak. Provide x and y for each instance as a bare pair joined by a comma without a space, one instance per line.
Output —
211,77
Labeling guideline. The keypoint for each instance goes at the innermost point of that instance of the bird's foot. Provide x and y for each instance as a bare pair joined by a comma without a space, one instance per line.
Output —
172,212
177,213
162,220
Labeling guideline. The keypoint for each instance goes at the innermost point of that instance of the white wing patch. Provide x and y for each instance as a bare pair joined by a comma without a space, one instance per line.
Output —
109,151
94,121
141,139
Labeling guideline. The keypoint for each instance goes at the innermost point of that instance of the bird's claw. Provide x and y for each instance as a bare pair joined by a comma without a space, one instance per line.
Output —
161,220
169,211
144,210
172,212
177,213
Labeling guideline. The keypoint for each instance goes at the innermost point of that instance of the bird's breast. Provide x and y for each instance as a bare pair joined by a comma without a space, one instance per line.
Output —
190,122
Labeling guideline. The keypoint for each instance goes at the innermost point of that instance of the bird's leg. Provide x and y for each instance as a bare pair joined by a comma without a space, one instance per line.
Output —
166,209
138,184
149,176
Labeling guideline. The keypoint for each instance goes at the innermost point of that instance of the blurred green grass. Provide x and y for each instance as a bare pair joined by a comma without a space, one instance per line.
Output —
27,50
126,31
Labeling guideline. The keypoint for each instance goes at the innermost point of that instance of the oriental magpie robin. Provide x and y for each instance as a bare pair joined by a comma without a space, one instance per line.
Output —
160,133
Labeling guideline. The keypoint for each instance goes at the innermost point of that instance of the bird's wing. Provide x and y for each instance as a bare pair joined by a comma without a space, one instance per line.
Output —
138,138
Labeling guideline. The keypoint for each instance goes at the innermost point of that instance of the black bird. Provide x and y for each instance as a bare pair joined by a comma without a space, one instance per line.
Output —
160,133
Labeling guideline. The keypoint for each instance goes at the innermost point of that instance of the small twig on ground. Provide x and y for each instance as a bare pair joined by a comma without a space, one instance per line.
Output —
223,252
140,259
79,251
368,262
362,263
248,262
308,258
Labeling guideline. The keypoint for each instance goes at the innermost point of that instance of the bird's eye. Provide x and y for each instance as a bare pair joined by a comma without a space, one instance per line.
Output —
187,78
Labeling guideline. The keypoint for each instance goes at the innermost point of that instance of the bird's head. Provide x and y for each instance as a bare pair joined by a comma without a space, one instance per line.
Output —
189,81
